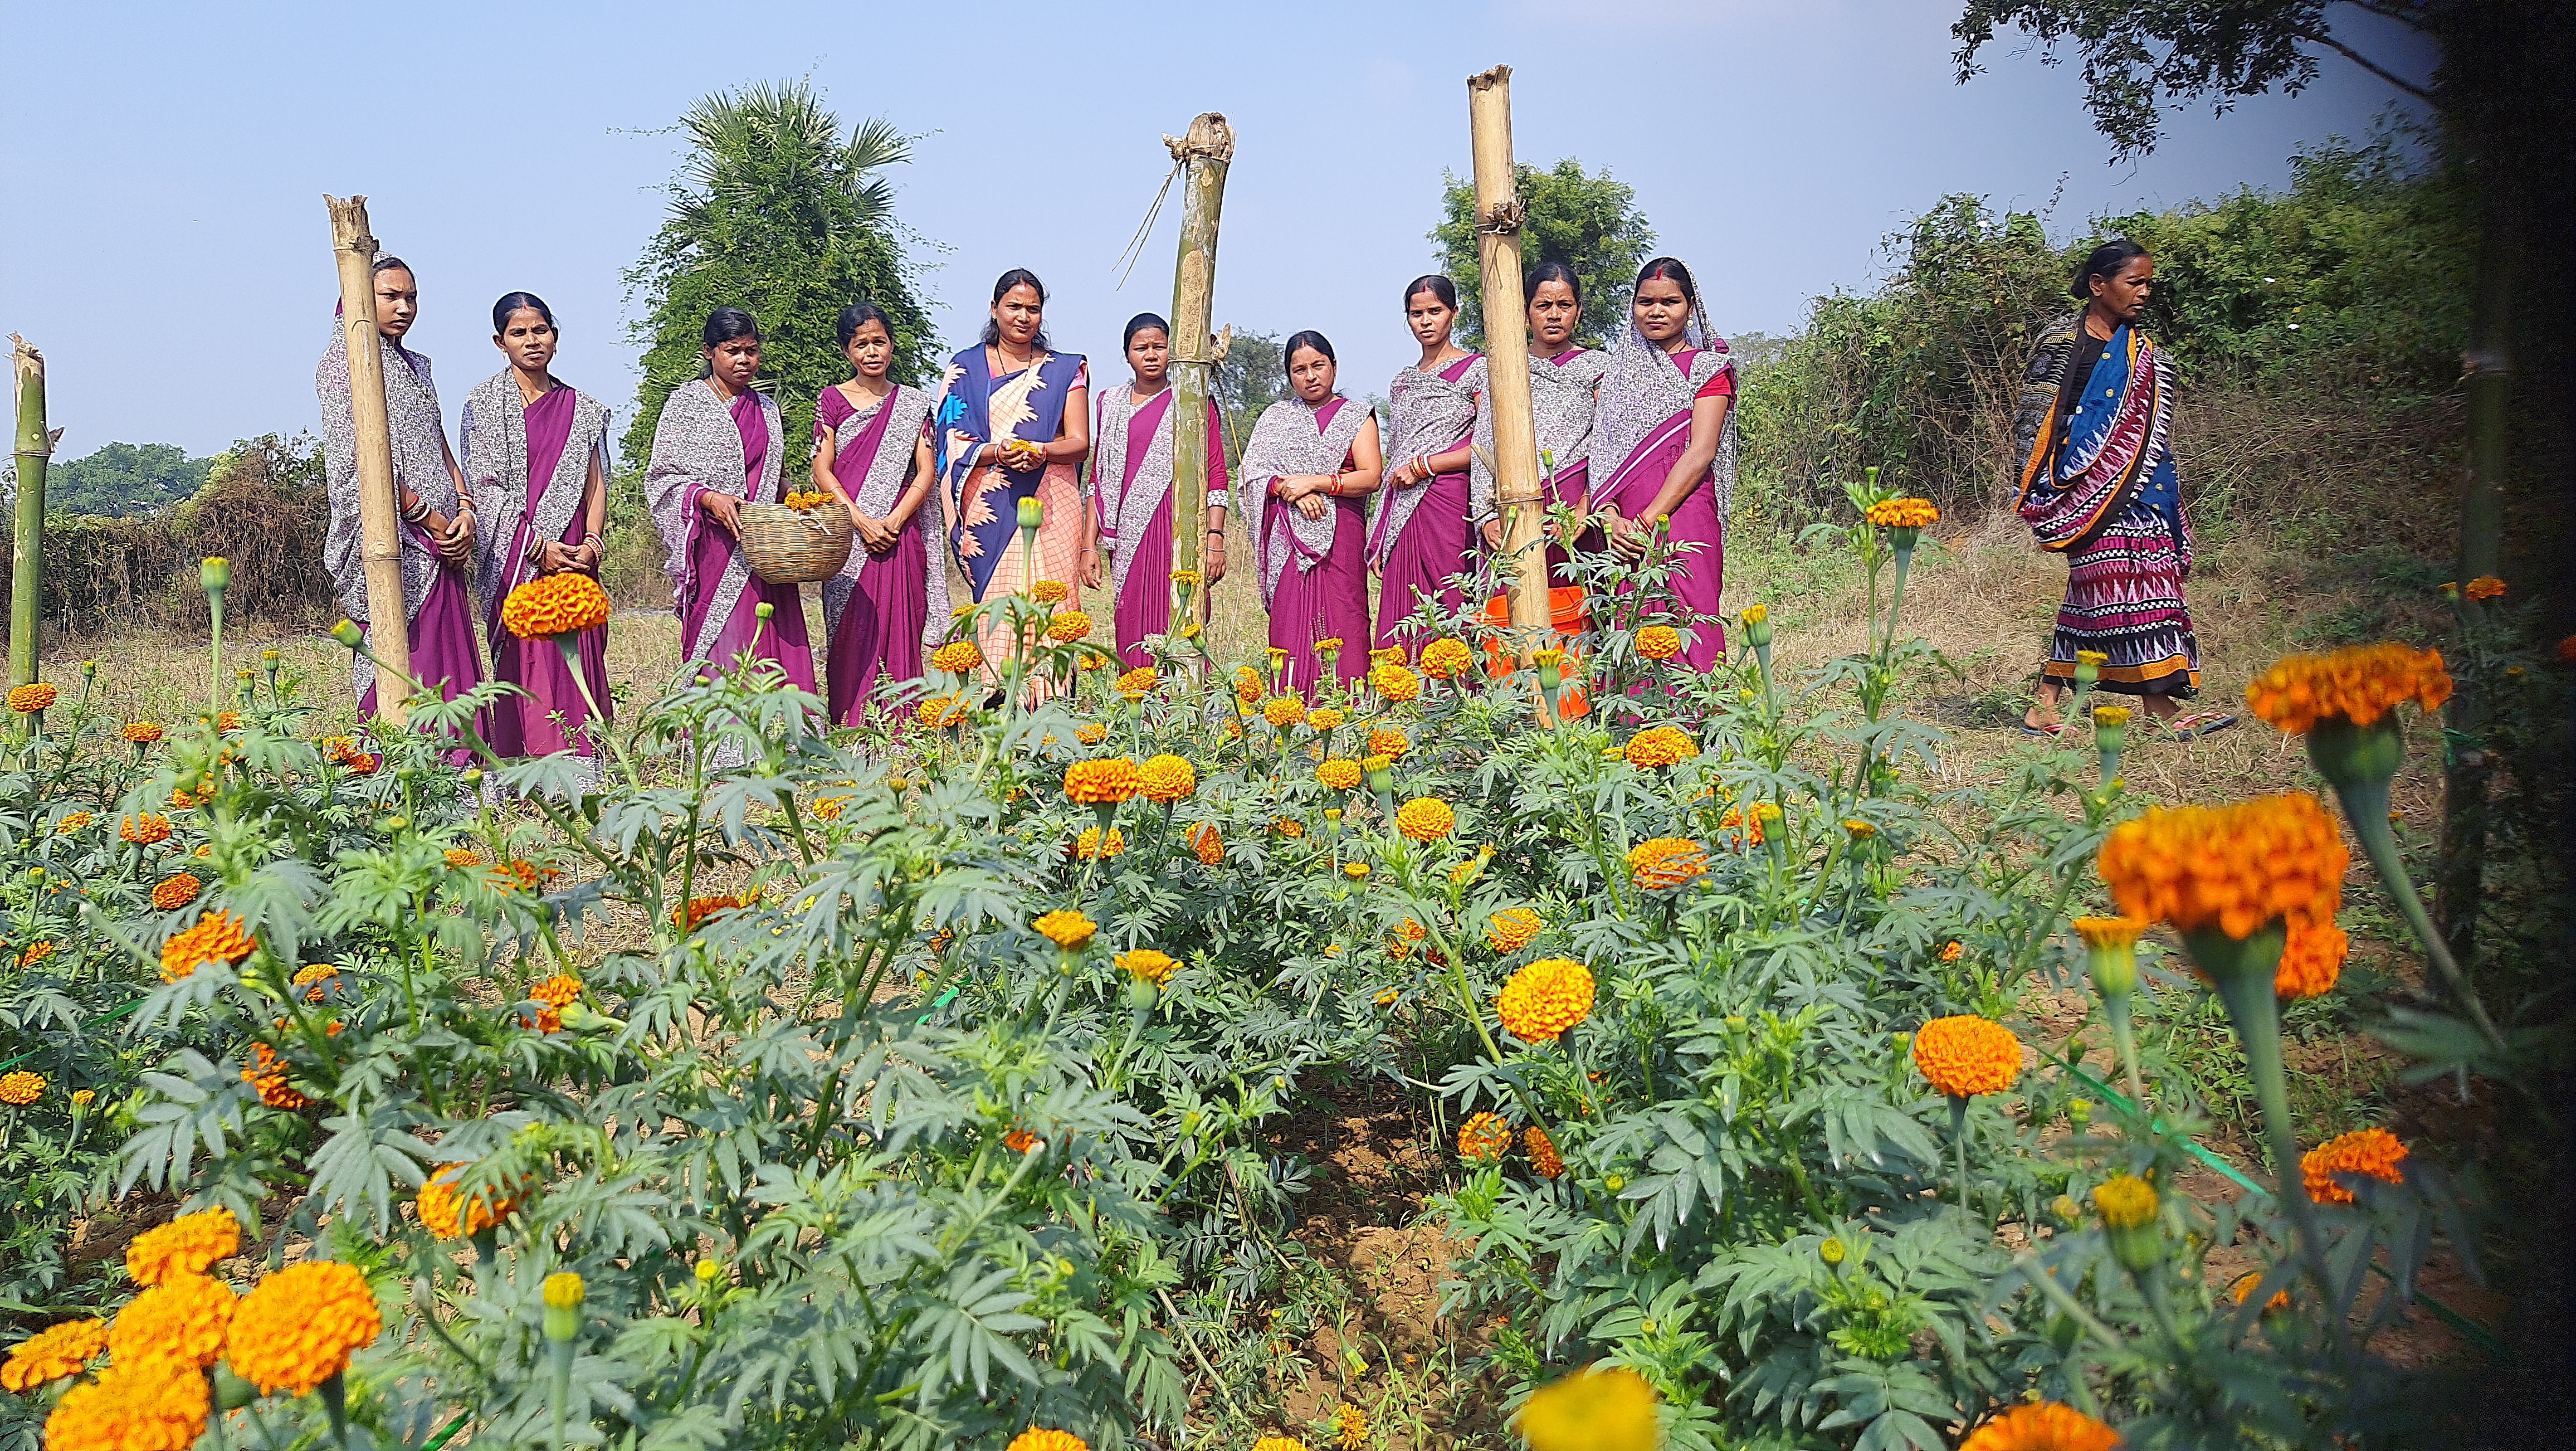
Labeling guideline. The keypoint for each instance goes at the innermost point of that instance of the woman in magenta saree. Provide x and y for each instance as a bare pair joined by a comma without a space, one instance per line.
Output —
889,604
1313,460
1666,415
1131,489
716,445
1565,386
1420,537
536,456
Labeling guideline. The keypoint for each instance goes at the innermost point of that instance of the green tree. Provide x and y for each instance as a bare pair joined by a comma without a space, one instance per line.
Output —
124,479
1589,223
1249,378
776,213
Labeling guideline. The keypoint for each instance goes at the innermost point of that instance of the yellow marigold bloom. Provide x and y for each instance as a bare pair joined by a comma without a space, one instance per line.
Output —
1356,871
1513,928
2311,960
1278,1443
181,1320
1425,818
1069,930
461,858
2125,1201
1394,682
19,1088
53,1353
1904,514
1247,684
1185,578
1283,711
1068,627
1326,719
1350,1426
829,808
1390,655
2360,683
297,1329
74,822
1090,848
36,952
2091,657
1035,1439
217,938
1964,1056
1207,845
564,603
1858,830
28,699
2485,587
320,974
563,1290
1340,773
188,1245
958,657
1756,614
2110,931
1091,733
1545,999
1659,746
1104,781
1666,861
1953,950
84,1097
1484,1136
1660,642
1148,965
1138,680
1050,591
940,710
142,732
804,500
1389,742
147,1406
2370,1153
1288,826
1447,659
146,829
2110,715
1167,778
1545,658
1542,1152
1591,1410
448,1214
2043,1426
1472,868
2230,867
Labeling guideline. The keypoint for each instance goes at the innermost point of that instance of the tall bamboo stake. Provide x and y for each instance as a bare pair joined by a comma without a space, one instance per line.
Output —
1203,155
379,515
1499,214
27,579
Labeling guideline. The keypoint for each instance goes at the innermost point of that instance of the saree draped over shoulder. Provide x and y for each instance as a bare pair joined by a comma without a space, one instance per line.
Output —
883,613
1564,394
529,466
1314,572
704,445
1131,487
972,414
1419,535
2098,485
437,602
1643,427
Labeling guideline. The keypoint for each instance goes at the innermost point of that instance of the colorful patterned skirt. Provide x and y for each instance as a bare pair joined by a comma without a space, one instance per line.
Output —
2124,599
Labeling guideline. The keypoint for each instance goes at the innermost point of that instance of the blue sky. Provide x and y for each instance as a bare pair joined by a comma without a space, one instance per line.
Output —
178,271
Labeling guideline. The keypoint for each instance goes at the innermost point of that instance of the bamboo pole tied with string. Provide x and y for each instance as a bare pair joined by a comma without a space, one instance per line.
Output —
1201,157
1499,215
379,513
35,449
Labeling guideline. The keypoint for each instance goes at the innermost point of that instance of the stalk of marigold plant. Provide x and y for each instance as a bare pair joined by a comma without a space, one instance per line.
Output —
2112,945
2110,737
564,1293
216,575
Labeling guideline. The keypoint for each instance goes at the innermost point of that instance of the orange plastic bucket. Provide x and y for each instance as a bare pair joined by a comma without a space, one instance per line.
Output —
1568,616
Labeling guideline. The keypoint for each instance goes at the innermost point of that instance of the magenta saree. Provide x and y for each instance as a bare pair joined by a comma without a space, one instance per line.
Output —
1420,536
705,445
1645,424
1132,473
529,485
878,612
1314,572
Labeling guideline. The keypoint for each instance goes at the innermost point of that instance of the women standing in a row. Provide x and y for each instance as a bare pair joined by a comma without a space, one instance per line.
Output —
1565,383
1420,537
1312,461
718,444
536,460
1666,417
889,604
1131,489
437,521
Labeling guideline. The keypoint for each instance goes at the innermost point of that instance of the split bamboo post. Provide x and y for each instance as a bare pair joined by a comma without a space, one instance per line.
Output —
1203,156
27,561
379,512
1499,214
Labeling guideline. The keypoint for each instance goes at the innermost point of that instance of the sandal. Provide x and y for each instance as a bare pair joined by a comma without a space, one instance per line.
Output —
2199,723
2042,732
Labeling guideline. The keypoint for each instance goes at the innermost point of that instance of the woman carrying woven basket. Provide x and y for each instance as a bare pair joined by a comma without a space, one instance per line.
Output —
888,607
536,461
719,444
1131,489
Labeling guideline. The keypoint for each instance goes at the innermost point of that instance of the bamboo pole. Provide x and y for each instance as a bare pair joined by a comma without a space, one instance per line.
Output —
27,561
1203,156
1499,215
379,514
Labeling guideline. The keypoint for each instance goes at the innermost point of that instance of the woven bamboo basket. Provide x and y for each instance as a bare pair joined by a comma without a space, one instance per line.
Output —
795,546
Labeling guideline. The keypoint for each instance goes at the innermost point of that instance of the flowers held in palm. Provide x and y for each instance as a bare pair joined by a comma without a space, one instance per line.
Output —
1609,1409
1659,746
1548,998
2363,1153
1425,818
1484,1137
1662,862
299,1327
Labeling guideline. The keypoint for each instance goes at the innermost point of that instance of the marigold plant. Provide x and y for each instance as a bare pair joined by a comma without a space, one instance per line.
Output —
1394,681
1447,659
2312,960
1350,1427
1964,1056
1207,845
1138,681
74,822
146,829
1102,781
1545,999
28,699
463,858
566,602
217,938
940,711
54,1353
699,909
1666,861
1167,778
2125,1201
1069,930
1278,1443
36,952
1904,514
1050,592
1283,711
1425,818
1389,742
1542,1153
1035,1439
299,1326
19,1088
266,1072
188,1245
1068,627
1483,1137
2367,1153
1091,847
1659,746
2229,867
449,1214
958,657
2359,683
2485,587
142,732
1148,965
1513,928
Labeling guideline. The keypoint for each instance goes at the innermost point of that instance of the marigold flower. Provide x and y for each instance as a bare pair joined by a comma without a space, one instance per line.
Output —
142,732
2368,1153
1513,928
1394,682
1388,742
1148,965
1659,746
1209,847
36,952
958,657
1139,680
1356,871
1104,781
2091,657
2110,715
216,938
564,603
188,1245
49,1355
1447,659
1068,627
1545,999
1666,861
1964,1056
1756,614
2042,1426
1542,1152
1484,1136
460,858
1090,848
1278,1443
1351,1425
448,1214
940,710
1340,773
1659,642
699,909
2485,587
1953,950
19,1088
146,829
1288,826
1036,1439
1858,830
362,764
1167,778
2360,683
2125,1201
1283,711
2311,960
1069,930
557,991
1425,818
1050,592
181,1320
1609,1409
318,977
1185,578
1247,684
152,1405
73,822
1904,514
267,1072
28,699
1738,820
2230,867
297,1329
1325,719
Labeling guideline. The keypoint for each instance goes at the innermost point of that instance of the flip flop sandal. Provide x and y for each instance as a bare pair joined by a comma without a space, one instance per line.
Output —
2201,723
2042,732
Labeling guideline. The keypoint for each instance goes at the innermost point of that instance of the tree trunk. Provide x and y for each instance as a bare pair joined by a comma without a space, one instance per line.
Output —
27,562
1203,155
1515,463
379,514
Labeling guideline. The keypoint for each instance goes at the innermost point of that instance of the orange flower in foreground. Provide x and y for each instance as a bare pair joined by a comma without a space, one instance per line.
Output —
2360,683
1039,1439
36,952
19,1088
1904,513
2045,1426
2312,961
146,829
1666,861
1020,1141
217,938
2485,587
1659,642
53,1353
2369,1153
461,858
1447,659
1964,1056
564,603
1542,1152
28,699
1389,742
1393,681
1089,847
1545,999
181,1320
1658,746
152,1405
958,657
1425,818
188,1245
1283,711
1484,1136
2229,867
1105,781
1166,778
1068,627
447,1214
1340,773
298,1328
1209,847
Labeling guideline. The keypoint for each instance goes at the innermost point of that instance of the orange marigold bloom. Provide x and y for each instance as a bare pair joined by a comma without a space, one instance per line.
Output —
2044,1426
1035,1439
297,1329
1139,680
1105,781
1288,826
558,990
1068,627
152,1405
217,938
1751,826
1392,680
36,952
1340,773
2230,867
1447,659
188,1245
1090,848
1149,965
1484,1136
1389,742
2242,1288
316,979
142,732
1545,999
1658,746
1283,711
146,829
1166,778
460,858
1659,642
1904,514
1020,1141
940,710
51,1354
1068,929
19,1088
2369,1153
1425,818
1964,1056
564,603
447,1214
28,699
1050,592
1666,861
2360,683
958,657
362,764
267,1072
181,1320
1513,928
702,908
1952,950
74,822
2485,587
1209,846
2312,960
1542,1152
1247,684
